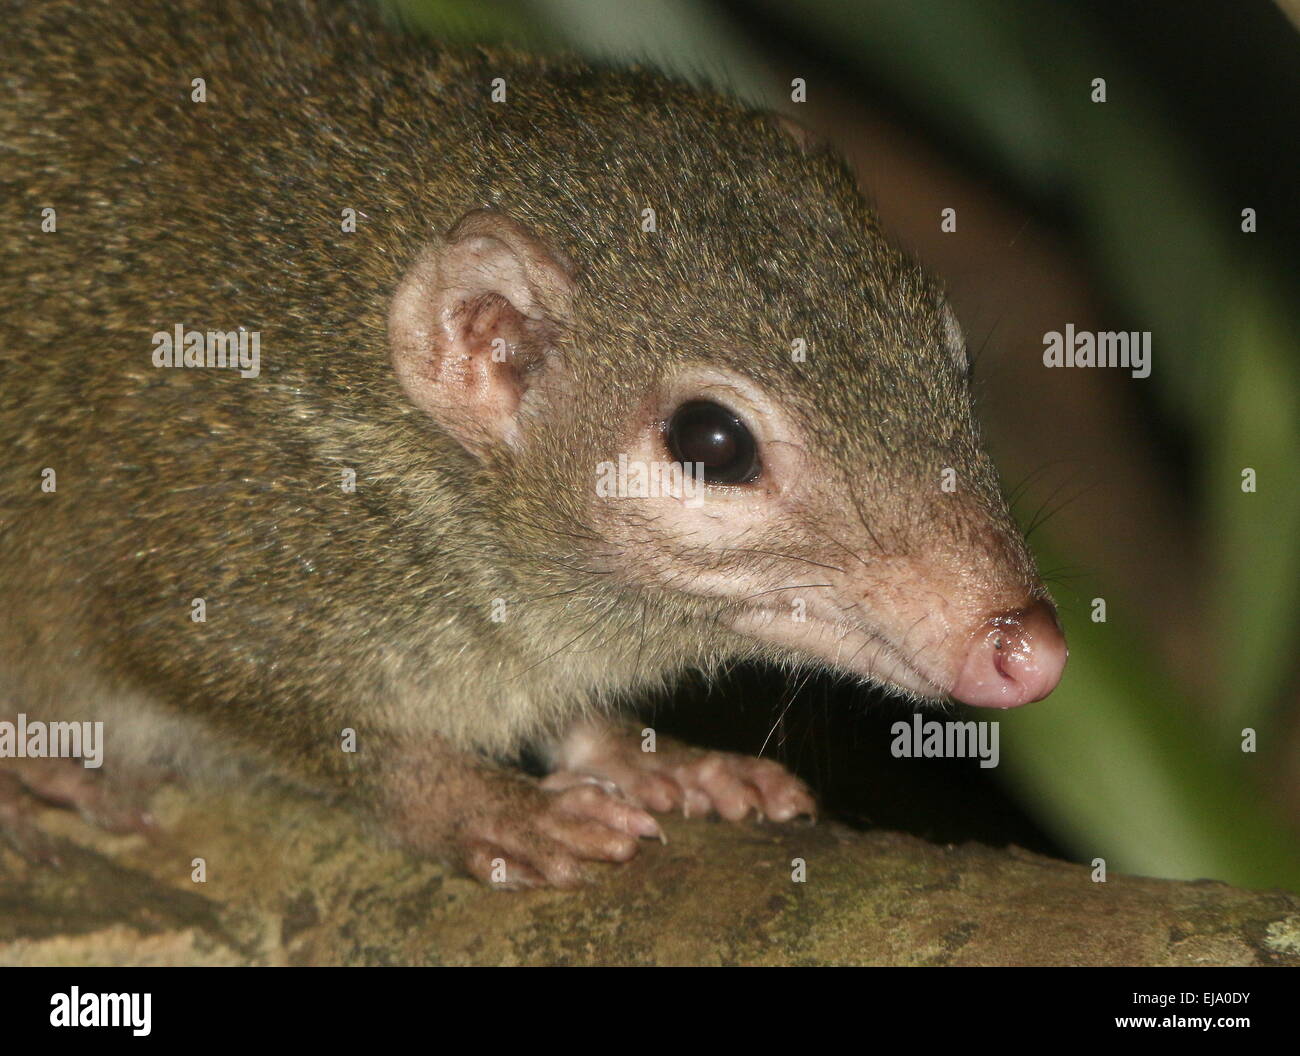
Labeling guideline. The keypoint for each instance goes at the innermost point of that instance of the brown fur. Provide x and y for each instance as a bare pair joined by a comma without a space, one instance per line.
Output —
370,610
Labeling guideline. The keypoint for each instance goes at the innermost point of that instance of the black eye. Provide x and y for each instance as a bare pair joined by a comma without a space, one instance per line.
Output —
706,432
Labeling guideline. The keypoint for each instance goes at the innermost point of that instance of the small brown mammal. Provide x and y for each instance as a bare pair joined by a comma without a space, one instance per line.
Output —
379,502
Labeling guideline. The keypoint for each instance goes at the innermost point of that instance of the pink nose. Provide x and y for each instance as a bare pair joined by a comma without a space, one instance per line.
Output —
1014,658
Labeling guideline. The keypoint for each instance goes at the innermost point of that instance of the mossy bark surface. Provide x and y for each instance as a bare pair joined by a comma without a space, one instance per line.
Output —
294,881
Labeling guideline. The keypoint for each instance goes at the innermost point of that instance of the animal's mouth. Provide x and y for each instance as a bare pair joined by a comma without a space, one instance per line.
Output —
844,646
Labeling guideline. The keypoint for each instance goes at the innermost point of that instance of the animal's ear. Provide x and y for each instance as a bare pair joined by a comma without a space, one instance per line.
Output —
474,321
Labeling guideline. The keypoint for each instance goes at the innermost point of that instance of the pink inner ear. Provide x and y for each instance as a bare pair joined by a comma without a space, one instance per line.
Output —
470,320
479,367
493,329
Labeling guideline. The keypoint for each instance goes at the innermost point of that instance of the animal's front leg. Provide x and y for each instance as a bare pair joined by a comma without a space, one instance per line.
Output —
677,776
117,805
500,826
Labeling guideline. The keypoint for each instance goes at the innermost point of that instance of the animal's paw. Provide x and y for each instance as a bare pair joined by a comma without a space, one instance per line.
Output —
678,777
735,785
546,837
117,806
